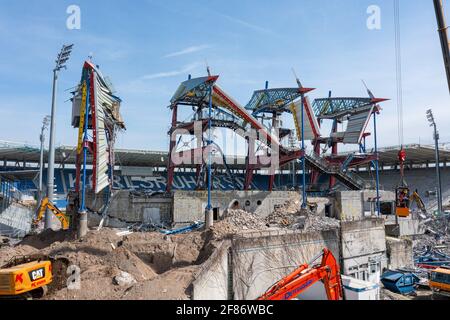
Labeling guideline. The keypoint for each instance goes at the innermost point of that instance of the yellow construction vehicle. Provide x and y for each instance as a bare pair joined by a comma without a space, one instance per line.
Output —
46,204
418,200
30,277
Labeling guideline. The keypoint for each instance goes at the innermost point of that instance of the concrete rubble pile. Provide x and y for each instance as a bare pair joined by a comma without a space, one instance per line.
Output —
437,234
237,221
292,217
288,216
245,220
433,247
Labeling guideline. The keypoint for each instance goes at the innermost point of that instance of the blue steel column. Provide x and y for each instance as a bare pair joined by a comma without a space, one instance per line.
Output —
85,149
377,161
209,148
305,200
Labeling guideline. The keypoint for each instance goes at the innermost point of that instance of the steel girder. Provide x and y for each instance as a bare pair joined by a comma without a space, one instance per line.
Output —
331,108
272,100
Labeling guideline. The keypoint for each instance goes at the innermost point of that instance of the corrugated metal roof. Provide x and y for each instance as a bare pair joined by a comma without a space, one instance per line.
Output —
357,123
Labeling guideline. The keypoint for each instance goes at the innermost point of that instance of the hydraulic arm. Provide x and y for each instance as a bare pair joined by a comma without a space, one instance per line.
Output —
443,34
46,204
305,276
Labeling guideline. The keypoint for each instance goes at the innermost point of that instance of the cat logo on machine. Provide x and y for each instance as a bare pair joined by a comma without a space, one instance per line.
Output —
37,274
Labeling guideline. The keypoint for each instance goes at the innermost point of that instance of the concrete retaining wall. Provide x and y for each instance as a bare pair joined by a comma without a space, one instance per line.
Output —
190,205
245,267
353,205
363,247
405,227
399,253
254,261
260,259
211,282
130,207
349,205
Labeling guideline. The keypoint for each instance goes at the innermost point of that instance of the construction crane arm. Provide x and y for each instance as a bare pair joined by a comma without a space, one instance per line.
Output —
46,204
443,35
305,276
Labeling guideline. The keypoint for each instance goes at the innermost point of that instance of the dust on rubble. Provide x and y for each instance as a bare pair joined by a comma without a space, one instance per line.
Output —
288,216
291,216
237,221
161,267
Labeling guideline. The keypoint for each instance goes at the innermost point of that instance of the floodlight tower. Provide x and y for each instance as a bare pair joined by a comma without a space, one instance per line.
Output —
45,123
432,122
61,60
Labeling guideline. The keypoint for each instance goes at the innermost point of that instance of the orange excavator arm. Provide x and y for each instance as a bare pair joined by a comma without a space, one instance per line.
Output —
305,276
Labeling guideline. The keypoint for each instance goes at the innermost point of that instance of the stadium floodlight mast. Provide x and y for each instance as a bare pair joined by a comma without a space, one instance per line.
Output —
45,123
432,122
61,60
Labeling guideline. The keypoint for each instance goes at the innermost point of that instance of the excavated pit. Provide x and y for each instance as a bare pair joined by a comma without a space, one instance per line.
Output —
162,266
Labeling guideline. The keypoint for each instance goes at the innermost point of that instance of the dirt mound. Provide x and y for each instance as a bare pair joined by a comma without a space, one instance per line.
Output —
47,238
95,284
163,266
163,252
173,285
124,260
7,253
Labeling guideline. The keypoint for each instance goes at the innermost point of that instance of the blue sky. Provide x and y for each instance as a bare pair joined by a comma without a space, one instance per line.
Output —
148,47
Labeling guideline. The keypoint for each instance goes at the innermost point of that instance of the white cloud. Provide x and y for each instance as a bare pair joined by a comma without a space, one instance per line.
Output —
174,73
187,51
141,84
248,25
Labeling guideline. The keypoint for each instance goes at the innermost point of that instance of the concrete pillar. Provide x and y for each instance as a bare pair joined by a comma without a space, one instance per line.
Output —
209,218
82,224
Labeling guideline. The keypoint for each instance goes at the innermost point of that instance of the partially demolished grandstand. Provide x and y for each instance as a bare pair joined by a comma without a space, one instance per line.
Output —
96,109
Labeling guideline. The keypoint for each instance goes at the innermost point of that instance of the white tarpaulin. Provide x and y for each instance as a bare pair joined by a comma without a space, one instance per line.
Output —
356,126
311,126
102,164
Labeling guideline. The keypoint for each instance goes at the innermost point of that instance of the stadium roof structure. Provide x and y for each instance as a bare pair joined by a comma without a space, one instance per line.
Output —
415,153
271,100
13,152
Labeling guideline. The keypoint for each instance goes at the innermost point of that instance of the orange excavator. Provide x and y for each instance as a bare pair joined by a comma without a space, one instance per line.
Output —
305,276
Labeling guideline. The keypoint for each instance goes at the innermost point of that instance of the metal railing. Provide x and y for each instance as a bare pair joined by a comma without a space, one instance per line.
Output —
335,169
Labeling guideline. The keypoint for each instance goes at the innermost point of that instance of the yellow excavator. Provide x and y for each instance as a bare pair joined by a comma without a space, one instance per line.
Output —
31,277
28,277
47,204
